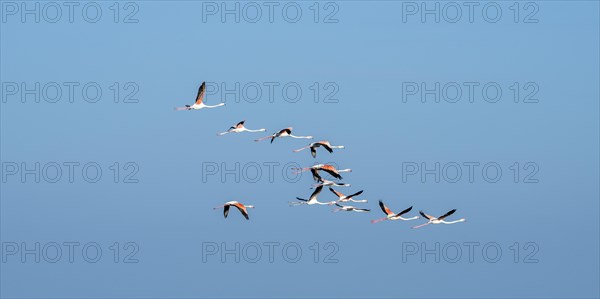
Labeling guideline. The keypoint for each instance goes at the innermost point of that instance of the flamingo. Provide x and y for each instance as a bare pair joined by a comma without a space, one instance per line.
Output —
313,147
344,198
287,132
349,209
324,182
391,215
199,104
438,220
327,168
236,204
240,128
312,200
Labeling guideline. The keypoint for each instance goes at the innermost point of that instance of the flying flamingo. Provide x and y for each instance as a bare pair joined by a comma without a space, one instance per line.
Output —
438,220
327,168
199,104
240,128
391,215
287,132
325,144
344,198
349,209
324,182
312,200
236,204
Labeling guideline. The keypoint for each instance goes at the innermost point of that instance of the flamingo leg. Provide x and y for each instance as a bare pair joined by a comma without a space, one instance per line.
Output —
300,149
421,225
378,220
266,137
301,170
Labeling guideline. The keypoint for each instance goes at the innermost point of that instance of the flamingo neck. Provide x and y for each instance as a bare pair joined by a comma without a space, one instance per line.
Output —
455,221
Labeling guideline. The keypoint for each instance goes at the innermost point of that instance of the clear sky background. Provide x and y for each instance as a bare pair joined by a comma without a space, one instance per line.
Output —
367,54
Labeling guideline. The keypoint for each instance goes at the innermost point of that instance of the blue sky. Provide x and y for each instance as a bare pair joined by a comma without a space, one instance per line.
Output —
365,57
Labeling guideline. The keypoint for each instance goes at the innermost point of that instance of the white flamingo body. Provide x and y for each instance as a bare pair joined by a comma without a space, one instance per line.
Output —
202,106
344,198
439,220
199,103
324,182
239,128
312,200
330,183
391,215
287,132
349,209
242,208
324,143
327,168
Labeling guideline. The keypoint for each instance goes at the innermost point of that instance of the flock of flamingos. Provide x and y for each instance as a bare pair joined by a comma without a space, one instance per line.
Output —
321,182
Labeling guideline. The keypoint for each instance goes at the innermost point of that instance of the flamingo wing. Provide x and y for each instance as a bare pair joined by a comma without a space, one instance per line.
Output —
332,172
313,151
226,211
200,95
327,147
316,192
355,194
404,212
428,217
336,193
242,209
447,214
240,124
316,176
384,208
